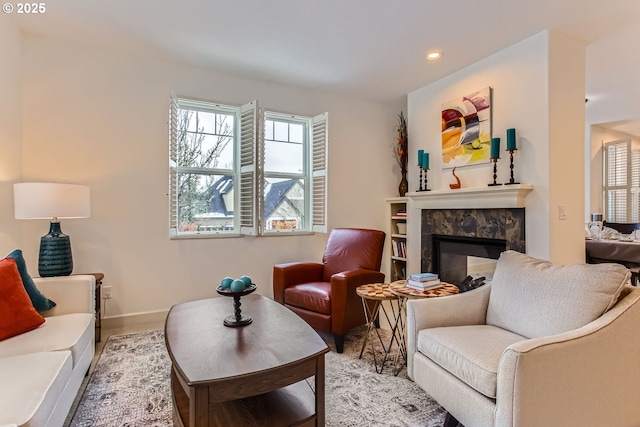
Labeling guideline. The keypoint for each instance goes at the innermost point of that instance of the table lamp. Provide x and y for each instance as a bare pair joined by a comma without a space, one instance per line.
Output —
39,200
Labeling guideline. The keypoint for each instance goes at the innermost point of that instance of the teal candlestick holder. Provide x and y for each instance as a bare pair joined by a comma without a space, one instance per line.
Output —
512,179
423,179
495,172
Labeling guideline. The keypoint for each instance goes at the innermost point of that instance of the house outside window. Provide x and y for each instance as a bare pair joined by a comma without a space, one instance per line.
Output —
621,181
286,141
239,170
203,167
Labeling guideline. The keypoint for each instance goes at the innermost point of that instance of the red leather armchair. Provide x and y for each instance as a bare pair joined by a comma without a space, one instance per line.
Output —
324,294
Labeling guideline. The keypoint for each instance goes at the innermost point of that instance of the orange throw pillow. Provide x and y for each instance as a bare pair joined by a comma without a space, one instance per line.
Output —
17,314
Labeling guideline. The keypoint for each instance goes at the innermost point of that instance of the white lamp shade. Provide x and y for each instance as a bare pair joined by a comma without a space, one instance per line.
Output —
40,200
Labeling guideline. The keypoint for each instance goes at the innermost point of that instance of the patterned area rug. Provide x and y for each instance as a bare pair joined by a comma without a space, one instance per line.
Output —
129,387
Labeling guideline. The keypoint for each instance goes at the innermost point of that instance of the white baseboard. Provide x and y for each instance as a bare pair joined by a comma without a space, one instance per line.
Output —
159,317
132,320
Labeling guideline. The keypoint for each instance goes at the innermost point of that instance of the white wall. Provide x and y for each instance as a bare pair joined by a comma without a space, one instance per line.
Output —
10,134
614,57
535,83
99,118
565,151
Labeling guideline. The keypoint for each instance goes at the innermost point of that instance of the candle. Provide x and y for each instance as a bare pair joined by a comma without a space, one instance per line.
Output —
511,139
495,148
425,160
420,153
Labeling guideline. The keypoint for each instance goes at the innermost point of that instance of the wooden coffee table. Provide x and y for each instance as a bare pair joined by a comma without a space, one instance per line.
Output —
250,375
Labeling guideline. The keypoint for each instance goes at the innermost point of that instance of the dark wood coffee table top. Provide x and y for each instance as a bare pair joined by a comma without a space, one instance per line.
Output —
204,350
252,375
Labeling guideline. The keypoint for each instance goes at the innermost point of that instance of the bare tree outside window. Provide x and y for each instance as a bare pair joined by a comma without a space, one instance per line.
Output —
218,156
202,139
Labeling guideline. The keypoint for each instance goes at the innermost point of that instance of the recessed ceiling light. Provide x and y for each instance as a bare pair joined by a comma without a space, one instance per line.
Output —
434,55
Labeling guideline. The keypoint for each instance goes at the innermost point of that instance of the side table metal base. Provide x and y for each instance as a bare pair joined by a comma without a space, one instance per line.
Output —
376,294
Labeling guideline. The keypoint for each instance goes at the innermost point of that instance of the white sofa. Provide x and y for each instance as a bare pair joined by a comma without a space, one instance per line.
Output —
542,345
41,370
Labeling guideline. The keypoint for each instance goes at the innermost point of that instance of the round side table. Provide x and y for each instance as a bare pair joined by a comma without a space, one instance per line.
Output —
404,293
399,289
372,297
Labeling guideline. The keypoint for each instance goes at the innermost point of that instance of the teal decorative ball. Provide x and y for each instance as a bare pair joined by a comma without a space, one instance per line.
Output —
226,282
237,286
246,280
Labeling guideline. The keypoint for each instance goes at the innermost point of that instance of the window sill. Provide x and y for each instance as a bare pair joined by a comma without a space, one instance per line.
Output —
287,233
205,236
234,235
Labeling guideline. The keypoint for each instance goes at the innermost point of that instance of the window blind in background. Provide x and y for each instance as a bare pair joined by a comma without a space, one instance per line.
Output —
621,181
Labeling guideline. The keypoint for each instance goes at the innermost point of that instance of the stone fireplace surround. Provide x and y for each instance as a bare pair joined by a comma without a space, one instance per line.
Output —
492,213
491,223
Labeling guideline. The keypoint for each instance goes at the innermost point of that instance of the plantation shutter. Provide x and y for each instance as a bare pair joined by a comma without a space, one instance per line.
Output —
617,180
248,168
260,181
635,186
320,136
173,166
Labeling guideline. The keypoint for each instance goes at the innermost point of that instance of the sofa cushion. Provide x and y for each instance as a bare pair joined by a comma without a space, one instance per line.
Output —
470,353
68,332
536,298
36,380
17,314
39,301
314,296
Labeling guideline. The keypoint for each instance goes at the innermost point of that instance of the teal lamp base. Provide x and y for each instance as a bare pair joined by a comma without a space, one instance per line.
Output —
55,253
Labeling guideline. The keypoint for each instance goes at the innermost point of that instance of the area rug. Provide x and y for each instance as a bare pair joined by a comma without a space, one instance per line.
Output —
130,387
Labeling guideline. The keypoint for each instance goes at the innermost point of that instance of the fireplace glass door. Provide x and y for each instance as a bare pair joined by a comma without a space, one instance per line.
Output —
456,257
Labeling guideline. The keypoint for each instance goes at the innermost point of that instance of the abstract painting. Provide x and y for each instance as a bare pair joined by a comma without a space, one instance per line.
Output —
466,130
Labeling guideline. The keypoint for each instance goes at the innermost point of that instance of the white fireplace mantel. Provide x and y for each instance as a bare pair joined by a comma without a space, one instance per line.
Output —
494,197
499,196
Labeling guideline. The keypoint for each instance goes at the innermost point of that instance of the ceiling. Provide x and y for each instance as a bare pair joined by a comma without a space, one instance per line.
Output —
370,49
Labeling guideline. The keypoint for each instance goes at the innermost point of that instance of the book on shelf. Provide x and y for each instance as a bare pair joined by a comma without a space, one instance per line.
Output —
401,213
400,269
399,248
423,285
424,277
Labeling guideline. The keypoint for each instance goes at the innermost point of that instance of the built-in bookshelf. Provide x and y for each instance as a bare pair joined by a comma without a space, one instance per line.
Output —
397,241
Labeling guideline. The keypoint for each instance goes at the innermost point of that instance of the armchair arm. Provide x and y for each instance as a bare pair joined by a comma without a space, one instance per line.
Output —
584,377
294,273
468,308
72,294
346,306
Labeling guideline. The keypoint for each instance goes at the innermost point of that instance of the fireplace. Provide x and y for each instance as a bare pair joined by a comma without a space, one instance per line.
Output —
487,214
454,240
456,257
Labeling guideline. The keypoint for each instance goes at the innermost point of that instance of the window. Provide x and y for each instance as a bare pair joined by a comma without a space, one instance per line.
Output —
239,170
621,181
202,167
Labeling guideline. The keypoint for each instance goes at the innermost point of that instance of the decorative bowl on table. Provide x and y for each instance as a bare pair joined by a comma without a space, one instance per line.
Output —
229,293
237,318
